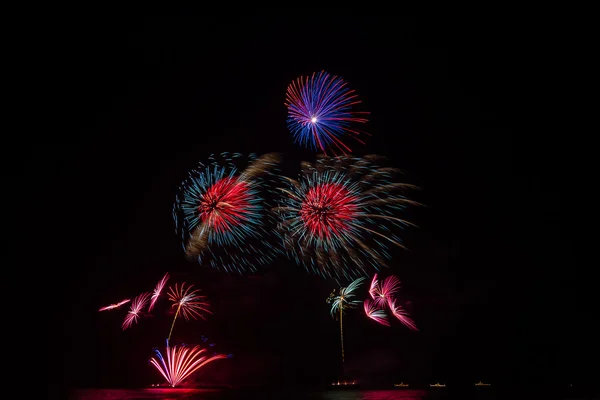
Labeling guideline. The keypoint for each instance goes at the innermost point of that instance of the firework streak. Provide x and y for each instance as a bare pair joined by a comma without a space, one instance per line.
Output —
320,113
181,361
342,214
136,308
157,291
222,215
113,306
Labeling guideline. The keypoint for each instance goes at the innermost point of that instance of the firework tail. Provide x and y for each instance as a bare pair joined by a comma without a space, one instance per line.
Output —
173,324
342,333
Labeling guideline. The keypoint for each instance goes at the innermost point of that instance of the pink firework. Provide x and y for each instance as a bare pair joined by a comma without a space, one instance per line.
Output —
375,313
402,315
113,306
157,291
181,361
188,301
328,210
382,291
136,308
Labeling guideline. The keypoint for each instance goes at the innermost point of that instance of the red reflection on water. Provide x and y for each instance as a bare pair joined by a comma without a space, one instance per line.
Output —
397,394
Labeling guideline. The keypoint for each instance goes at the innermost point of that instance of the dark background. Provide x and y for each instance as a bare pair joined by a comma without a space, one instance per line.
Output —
492,278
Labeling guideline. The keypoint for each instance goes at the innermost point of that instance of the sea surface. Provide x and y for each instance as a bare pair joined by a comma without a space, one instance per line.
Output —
348,394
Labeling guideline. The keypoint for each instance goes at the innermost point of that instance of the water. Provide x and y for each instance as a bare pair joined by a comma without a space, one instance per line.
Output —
284,394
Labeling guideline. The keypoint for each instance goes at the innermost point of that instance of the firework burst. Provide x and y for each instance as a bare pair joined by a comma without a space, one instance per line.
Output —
344,300
157,291
221,215
134,311
188,302
383,295
342,214
320,113
181,361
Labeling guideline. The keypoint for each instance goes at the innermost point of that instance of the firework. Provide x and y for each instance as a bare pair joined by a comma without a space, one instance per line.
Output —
221,212
113,306
383,296
375,313
320,113
157,291
341,215
345,299
401,314
136,307
382,292
181,361
188,302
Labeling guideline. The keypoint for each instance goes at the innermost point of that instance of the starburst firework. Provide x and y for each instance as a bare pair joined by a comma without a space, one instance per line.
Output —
342,214
222,214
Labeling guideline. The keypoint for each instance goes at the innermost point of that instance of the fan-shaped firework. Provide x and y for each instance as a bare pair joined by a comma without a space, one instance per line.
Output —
401,314
189,303
113,306
181,361
136,308
382,291
339,218
375,313
221,214
321,115
157,291
345,299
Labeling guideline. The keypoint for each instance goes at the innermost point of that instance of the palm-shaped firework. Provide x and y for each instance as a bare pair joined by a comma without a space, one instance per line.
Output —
345,299
188,302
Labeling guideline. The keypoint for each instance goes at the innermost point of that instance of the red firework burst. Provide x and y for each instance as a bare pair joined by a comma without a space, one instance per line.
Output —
224,204
328,209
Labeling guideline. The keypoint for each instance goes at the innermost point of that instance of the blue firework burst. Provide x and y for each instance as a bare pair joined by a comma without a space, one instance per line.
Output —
321,113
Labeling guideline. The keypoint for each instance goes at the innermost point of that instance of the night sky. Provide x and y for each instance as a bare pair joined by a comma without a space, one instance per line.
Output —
491,276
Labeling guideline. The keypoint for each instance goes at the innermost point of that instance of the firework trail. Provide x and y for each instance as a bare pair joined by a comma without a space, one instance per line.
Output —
383,291
181,361
320,113
157,291
136,307
113,306
222,214
344,300
188,302
375,313
341,215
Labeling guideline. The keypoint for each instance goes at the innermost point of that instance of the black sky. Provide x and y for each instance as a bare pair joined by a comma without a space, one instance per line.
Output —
492,275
